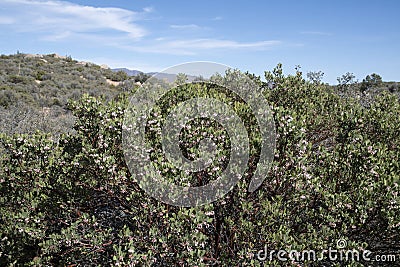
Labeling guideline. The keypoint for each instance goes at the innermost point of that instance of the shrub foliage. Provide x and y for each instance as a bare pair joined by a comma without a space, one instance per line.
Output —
71,200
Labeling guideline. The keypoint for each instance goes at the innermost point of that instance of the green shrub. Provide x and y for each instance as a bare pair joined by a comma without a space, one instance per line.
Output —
72,201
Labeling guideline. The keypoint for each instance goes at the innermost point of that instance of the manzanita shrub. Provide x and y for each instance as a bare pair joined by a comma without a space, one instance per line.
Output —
71,201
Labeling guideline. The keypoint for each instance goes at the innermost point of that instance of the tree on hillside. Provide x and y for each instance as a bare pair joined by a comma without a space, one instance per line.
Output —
370,81
393,87
141,77
346,80
119,76
181,78
315,76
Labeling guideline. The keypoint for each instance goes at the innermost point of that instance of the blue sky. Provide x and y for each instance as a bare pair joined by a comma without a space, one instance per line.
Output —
332,36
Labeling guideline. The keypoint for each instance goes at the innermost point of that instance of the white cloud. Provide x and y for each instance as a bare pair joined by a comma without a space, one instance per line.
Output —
185,27
52,20
6,20
217,44
194,46
148,9
63,19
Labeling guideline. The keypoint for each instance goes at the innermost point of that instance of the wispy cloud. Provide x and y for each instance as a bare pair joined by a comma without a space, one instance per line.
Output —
216,44
217,18
195,46
316,33
148,9
186,27
6,20
58,21
62,19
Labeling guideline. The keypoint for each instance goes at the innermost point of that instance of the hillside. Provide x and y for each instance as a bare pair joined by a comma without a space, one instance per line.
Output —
35,89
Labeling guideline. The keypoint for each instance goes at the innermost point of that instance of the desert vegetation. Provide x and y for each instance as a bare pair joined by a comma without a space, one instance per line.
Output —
67,197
